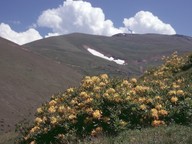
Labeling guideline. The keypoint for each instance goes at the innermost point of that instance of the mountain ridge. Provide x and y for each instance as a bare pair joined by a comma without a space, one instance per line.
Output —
140,49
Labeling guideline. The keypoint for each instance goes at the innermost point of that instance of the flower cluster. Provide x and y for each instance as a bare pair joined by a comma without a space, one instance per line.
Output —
109,105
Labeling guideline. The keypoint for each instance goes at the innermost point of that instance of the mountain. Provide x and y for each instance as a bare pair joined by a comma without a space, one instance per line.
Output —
31,73
27,80
138,51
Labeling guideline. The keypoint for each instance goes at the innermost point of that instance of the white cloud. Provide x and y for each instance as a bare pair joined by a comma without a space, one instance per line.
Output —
81,16
18,37
77,16
146,22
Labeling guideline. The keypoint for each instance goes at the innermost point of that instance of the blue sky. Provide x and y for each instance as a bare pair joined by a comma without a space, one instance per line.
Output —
23,21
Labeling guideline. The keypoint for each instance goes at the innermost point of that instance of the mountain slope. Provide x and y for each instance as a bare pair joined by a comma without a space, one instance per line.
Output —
138,51
27,80
31,73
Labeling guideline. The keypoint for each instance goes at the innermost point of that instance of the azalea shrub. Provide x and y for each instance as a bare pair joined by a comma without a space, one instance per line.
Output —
105,105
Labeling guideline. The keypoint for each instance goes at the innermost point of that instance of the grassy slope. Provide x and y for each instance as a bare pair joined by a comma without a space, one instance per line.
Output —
163,135
26,81
166,134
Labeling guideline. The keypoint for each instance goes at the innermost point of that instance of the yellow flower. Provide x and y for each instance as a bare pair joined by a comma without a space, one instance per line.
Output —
123,123
154,113
179,80
143,107
172,92
98,96
73,102
102,84
95,79
87,77
81,105
52,109
34,129
87,83
141,89
158,106
125,82
156,123
38,120
180,92
117,99
89,110
53,120
39,110
104,76
106,95
52,103
163,112
61,109
133,92
45,130
128,98
61,136
84,95
150,100
44,119
89,100
72,116
174,99
97,114
158,97
133,80
175,85
93,133
153,110
33,142
141,99
106,119
70,90
99,129
110,91
96,89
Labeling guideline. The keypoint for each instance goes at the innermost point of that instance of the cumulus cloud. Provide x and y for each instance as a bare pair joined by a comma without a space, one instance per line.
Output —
77,16
146,22
81,16
18,37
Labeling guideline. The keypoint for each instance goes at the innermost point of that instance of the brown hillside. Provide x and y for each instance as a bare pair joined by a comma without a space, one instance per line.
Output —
27,80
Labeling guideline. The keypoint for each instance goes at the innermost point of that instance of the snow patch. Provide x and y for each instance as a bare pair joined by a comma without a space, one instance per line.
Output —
98,54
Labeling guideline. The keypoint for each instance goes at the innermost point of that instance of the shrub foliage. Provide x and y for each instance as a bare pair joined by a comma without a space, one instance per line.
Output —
101,104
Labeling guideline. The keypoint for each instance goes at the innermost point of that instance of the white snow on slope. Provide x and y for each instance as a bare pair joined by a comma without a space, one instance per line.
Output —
98,54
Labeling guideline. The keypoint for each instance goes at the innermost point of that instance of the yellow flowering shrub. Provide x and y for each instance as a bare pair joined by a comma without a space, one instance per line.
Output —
109,105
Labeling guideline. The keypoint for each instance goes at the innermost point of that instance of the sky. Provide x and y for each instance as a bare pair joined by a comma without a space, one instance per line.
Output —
23,21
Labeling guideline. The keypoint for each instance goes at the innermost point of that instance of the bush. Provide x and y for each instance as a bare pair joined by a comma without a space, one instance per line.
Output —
109,105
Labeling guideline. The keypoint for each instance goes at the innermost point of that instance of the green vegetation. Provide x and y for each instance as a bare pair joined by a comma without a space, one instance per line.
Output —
103,106
176,134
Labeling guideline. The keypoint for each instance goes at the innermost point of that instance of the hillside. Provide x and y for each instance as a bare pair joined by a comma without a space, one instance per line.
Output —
138,51
27,80
31,73
104,107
